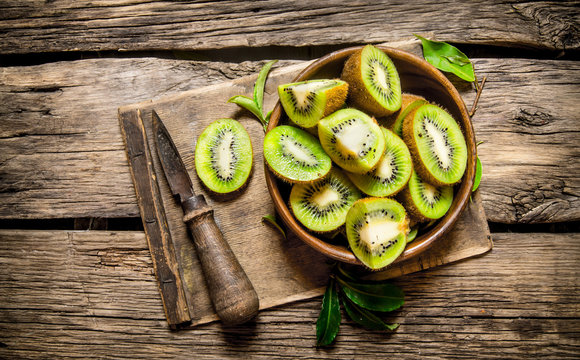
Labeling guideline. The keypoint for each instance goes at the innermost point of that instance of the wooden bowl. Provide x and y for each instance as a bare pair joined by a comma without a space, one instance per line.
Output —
417,77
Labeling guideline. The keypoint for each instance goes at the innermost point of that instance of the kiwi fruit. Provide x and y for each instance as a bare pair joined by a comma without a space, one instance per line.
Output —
392,172
426,202
306,102
294,155
321,206
409,105
223,156
376,229
437,145
374,83
352,139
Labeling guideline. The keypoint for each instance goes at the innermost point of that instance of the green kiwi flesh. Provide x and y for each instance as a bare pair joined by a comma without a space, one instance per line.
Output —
352,139
426,202
321,206
392,172
437,145
294,155
409,106
374,83
306,102
223,156
376,229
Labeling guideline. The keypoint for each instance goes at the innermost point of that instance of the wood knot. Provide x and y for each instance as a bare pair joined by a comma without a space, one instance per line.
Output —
528,117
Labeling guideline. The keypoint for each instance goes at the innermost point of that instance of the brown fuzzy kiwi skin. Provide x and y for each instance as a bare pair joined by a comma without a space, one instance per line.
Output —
359,96
335,98
404,196
418,165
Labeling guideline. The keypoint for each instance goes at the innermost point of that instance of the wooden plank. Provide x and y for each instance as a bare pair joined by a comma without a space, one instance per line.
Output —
144,25
519,299
62,149
161,247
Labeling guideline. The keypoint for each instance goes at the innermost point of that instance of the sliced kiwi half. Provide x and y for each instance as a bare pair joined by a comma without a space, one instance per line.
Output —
294,155
321,206
223,156
374,83
409,105
353,140
426,202
306,102
392,172
437,145
376,229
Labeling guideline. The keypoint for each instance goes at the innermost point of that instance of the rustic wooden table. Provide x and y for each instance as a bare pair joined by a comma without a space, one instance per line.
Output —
66,68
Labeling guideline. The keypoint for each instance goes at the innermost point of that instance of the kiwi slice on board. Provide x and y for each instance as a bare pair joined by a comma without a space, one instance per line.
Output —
223,156
437,145
306,102
322,205
294,155
426,202
353,140
376,229
409,105
392,172
374,83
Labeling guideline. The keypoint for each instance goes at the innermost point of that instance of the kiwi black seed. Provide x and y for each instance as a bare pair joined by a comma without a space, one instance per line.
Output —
374,83
223,156
321,206
391,173
353,140
437,145
376,229
306,102
294,155
425,202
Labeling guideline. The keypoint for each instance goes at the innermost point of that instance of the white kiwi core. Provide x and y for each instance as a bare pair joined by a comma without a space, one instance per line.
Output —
439,147
377,232
223,154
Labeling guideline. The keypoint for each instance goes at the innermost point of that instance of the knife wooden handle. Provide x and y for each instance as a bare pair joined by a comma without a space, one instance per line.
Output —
234,298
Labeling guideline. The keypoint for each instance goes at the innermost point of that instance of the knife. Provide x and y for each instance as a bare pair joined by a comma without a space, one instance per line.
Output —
232,294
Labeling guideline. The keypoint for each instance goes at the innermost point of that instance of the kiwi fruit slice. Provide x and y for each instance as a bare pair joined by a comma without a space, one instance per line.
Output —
294,155
374,83
321,206
306,102
223,156
426,202
437,145
376,229
392,172
409,104
353,140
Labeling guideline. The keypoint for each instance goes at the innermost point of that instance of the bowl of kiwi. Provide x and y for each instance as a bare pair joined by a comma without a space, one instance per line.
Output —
370,155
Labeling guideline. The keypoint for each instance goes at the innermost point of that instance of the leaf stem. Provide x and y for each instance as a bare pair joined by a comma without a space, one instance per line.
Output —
479,90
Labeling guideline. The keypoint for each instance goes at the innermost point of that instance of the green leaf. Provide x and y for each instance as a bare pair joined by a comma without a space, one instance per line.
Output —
447,58
328,321
412,234
247,104
272,220
259,86
364,317
378,296
478,171
344,274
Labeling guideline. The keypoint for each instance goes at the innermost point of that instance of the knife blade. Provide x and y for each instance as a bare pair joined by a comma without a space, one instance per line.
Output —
232,294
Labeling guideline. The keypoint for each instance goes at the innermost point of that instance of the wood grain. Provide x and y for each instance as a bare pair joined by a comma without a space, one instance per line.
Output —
518,300
62,153
143,25
161,247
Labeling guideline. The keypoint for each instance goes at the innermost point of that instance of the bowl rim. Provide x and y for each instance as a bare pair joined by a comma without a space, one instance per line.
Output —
443,225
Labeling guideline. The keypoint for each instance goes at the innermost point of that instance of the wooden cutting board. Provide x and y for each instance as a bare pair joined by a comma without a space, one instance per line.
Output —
282,270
